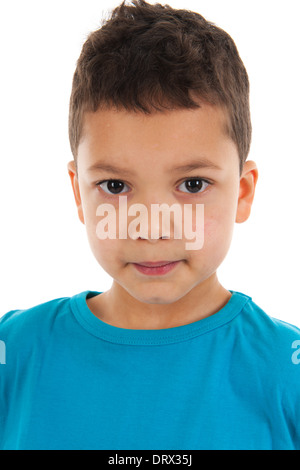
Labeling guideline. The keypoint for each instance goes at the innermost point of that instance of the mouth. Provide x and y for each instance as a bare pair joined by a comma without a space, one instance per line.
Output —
156,268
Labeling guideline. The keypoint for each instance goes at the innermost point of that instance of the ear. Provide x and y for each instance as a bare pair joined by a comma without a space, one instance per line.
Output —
248,182
75,185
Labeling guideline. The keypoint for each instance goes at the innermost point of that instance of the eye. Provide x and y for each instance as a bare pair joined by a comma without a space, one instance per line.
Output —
113,186
194,185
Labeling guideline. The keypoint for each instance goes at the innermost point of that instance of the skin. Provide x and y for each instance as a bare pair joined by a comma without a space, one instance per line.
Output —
150,147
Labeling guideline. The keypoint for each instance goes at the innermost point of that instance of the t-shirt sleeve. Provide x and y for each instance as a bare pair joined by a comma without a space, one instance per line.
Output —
291,393
10,345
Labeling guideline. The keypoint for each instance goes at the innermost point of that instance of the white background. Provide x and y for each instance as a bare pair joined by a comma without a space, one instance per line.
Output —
44,252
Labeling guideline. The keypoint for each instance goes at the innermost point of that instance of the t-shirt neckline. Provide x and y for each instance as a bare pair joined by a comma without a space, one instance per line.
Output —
114,334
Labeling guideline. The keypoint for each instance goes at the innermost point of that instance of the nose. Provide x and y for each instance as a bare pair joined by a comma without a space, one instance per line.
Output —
152,239
155,221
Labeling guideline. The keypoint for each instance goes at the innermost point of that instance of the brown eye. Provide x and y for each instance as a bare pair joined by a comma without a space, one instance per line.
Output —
113,186
194,185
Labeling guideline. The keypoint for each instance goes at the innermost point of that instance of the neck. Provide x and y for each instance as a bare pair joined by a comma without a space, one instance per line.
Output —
118,308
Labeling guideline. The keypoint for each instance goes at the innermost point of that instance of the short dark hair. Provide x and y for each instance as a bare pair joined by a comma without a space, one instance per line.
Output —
152,58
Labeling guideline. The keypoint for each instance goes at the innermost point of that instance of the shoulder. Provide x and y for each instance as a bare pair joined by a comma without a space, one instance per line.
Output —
270,343
262,322
271,349
23,326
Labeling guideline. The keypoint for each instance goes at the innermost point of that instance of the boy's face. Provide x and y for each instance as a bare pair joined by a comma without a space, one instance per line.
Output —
178,157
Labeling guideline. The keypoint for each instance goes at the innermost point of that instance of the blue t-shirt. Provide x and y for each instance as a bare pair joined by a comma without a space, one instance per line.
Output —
71,381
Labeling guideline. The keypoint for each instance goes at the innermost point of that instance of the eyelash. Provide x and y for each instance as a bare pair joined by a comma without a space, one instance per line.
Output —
203,180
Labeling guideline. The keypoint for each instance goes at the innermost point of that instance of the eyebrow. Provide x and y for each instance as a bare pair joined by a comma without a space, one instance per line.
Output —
196,164
110,168
193,165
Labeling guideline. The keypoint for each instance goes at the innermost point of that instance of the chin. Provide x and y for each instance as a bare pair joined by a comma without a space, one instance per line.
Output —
158,298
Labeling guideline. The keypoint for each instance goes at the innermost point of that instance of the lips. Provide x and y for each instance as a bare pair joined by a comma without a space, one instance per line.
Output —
155,268
154,264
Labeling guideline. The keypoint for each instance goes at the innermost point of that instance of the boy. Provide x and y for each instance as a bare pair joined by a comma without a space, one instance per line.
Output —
167,358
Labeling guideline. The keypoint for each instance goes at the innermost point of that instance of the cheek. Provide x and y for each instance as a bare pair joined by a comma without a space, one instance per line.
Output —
108,254
218,230
213,218
104,250
217,239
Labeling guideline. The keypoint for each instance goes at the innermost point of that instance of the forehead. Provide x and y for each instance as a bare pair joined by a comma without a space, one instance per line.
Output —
168,137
